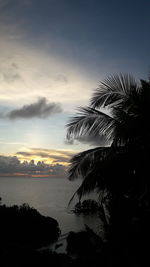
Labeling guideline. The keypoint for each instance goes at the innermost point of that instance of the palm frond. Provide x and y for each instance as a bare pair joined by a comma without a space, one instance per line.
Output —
112,171
87,186
145,93
99,173
90,121
113,90
82,163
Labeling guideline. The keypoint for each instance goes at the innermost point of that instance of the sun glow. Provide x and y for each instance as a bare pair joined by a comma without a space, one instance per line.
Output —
48,156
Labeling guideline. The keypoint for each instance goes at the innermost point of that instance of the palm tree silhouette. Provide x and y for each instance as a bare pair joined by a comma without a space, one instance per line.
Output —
118,111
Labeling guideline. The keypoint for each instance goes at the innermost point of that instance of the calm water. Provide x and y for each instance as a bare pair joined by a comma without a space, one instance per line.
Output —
49,196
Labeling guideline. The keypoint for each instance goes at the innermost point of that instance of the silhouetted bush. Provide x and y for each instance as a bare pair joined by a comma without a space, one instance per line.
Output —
84,244
28,257
25,226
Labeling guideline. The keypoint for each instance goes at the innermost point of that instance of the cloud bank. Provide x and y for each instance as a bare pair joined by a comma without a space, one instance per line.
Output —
36,162
48,155
12,166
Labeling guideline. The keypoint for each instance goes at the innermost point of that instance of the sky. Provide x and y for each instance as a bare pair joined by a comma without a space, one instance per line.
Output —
53,53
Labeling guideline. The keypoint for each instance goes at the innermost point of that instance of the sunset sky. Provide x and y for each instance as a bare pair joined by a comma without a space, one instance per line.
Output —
53,53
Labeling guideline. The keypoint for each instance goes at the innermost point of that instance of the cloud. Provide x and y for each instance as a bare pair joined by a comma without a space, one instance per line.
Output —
12,166
54,158
69,142
67,153
40,109
28,72
48,155
12,143
10,73
93,140
88,139
37,161
61,78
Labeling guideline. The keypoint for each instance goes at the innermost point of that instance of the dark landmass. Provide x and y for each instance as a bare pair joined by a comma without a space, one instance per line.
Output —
28,257
24,230
23,226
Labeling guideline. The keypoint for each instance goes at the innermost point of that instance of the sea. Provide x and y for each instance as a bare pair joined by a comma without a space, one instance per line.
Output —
50,196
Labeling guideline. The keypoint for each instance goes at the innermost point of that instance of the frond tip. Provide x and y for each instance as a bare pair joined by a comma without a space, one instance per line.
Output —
113,89
87,186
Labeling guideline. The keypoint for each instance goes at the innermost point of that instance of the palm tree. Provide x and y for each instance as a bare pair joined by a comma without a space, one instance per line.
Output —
118,111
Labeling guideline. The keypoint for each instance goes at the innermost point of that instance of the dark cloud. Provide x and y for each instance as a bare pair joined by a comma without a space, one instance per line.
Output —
93,140
90,140
13,167
40,109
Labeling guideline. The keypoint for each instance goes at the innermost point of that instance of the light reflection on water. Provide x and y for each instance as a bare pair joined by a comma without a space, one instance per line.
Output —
50,196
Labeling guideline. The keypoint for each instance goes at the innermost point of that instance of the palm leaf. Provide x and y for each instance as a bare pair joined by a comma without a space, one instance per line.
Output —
96,167
82,163
112,170
90,121
113,90
87,186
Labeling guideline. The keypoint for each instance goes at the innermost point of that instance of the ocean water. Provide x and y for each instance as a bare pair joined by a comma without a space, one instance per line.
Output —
50,196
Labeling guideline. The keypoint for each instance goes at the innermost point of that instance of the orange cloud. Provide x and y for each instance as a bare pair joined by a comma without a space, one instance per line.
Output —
49,156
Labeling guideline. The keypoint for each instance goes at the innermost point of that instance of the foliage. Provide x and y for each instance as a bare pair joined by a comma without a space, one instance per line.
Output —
24,226
84,244
119,111
86,206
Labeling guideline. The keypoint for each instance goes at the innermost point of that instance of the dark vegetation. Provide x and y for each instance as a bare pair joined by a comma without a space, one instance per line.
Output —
25,227
87,206
83,243
27,257
119,173
23,230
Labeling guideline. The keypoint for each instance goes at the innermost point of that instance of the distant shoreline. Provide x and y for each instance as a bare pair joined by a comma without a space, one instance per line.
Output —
33,176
